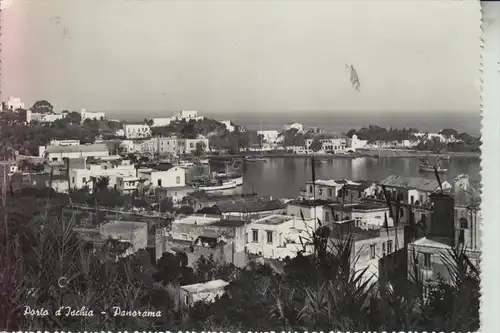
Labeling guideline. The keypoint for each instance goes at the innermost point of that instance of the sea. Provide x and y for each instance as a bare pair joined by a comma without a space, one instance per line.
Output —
340,122
284,177
336,121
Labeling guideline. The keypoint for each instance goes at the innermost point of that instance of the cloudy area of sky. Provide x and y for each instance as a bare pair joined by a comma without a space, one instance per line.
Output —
240,56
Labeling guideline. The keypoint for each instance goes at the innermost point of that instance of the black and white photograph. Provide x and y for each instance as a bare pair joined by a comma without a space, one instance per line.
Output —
240,166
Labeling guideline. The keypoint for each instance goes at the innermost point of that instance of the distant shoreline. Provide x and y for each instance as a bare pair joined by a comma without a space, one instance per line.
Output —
375,153
393,153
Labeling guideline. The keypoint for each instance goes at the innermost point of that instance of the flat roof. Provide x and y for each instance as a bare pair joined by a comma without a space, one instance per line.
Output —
435,243
123,226
198,219
274,219
207,286
228,223
309,202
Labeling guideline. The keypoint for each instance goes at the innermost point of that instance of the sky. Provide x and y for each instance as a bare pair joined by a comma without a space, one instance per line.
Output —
161,56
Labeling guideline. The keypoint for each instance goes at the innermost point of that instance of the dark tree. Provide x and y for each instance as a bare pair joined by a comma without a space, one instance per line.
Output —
42,107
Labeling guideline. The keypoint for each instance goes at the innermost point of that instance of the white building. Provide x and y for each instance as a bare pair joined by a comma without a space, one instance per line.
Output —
137,131
58,153
159,122
327,189
42,117
185,228
415,190
81,177
91,115
335,145
120,132
297,126
173,177
128,146
127,184
188,115
270,136
354,143
202,292
14,103
229,125
65,142
189,146
278,236
135,233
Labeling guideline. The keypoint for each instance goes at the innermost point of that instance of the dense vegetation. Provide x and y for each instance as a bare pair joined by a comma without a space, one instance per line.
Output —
15,134
38,247
373,133
219,137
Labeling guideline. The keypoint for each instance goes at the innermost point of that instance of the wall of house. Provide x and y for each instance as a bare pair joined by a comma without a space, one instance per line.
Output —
174,177
188,299
58,157
278,248
362,250
370,219
176,193
438,267
136,235
308,212
79,177
443,217
467,227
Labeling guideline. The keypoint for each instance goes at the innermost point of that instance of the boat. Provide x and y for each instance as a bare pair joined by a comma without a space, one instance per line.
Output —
231,176
184,164
219,181
444,157
255,159
320,161
214,185
427,167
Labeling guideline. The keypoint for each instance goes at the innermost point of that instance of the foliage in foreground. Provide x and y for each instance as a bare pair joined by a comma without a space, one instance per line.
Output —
321,291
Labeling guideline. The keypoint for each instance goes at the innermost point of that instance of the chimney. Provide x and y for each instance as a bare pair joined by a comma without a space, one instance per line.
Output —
442,222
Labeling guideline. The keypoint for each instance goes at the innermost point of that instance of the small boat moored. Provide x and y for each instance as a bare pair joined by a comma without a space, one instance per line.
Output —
427,167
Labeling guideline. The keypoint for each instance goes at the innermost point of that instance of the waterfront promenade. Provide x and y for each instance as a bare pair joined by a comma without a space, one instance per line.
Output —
365,152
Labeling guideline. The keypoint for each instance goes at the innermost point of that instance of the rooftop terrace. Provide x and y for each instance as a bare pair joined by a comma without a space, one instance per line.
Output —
198,219
274,219
202,287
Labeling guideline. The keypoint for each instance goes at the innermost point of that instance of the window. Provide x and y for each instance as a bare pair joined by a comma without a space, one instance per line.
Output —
186,299
427,260
320,192
191,145
421,199
269,237
255,236
389,247
73,180
84,179
327,216
401,212
383,249
159,182
461,236
330,192
178,180
372,251
412,199
464,224
310,189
